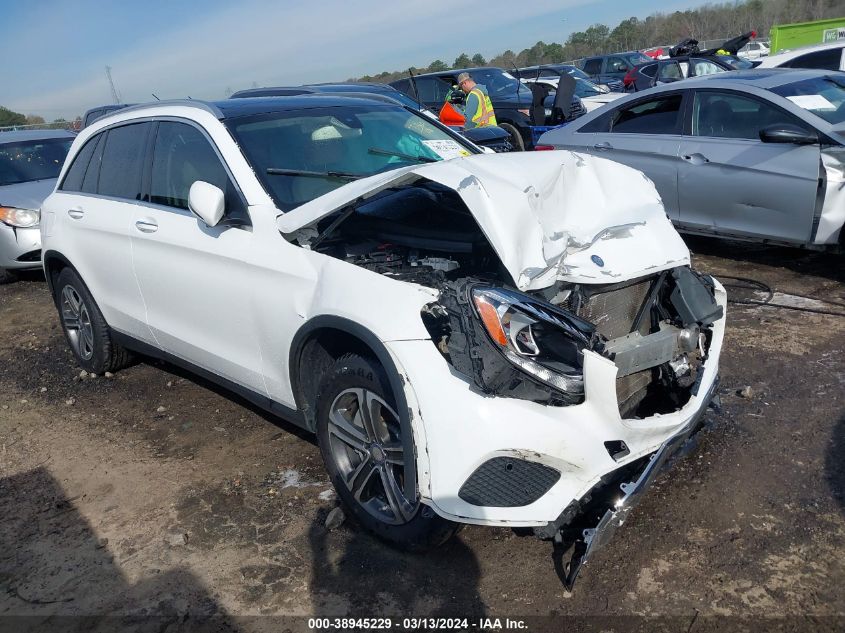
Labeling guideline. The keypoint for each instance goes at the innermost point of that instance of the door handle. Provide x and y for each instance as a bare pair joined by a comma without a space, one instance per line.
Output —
146,225
603,145
76,213
695,159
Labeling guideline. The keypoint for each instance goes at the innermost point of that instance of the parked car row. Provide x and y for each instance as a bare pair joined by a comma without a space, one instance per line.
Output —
749,154
512,100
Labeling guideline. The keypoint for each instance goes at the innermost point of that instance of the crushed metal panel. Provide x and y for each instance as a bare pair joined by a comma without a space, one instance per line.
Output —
832,217
546,214
635,352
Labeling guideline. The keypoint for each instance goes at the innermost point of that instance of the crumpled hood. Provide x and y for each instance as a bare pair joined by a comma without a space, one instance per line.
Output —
549,215
27,195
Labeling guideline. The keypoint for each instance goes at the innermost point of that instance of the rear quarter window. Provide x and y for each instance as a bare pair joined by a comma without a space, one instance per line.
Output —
76,174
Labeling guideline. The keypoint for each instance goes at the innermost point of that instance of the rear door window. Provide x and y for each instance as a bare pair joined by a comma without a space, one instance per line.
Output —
433,89
656,116
670,71
122,164
592,66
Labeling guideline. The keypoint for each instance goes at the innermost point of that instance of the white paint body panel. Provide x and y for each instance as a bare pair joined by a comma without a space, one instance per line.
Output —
545,213
231,300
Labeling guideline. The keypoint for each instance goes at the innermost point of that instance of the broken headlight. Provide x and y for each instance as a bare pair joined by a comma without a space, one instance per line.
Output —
541,340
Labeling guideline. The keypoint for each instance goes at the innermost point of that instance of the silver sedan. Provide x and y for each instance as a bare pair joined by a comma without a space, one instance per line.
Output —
30,162
755,154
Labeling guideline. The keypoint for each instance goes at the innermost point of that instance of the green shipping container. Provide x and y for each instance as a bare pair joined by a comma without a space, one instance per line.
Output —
789,36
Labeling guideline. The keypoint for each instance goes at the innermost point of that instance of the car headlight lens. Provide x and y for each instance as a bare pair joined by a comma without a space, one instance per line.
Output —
20,218
541,340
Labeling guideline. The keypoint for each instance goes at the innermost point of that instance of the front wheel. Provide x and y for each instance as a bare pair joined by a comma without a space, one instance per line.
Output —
85,329
361,441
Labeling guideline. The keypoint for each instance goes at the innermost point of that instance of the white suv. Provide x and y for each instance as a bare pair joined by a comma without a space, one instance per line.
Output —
511,340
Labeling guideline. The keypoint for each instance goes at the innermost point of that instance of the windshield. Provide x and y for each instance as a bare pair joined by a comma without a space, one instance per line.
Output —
737,63
637,58
823,96
577,72
584,88
299,155
25,161
501,84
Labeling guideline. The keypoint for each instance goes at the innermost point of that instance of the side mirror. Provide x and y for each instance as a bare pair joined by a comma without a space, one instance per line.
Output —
207,202
788,133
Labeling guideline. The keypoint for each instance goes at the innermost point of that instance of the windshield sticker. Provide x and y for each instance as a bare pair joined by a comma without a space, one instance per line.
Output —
812,102
446,149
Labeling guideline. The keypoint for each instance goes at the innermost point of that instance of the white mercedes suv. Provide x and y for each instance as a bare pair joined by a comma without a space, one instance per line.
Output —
499,339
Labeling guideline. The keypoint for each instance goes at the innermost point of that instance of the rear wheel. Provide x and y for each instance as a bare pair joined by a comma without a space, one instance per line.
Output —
516,137
85,329
361,441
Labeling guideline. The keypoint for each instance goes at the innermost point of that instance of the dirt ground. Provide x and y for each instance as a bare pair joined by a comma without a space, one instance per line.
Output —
152,493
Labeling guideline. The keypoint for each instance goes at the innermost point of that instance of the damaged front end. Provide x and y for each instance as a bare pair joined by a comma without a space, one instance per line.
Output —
552,280
655,329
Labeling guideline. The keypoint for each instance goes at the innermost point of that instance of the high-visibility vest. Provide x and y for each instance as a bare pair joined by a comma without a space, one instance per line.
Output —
484,115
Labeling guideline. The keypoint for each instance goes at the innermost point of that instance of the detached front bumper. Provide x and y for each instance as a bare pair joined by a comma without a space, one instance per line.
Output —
20,249
614,513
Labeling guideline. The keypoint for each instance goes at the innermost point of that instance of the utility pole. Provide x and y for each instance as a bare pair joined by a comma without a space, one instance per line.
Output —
114,93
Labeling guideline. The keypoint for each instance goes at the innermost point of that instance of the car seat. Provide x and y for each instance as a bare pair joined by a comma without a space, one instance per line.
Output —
714,119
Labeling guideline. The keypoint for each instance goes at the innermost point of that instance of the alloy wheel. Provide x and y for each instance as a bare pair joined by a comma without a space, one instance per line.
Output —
366,445
77,322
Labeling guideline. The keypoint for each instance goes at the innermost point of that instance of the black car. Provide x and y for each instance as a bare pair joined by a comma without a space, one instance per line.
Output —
605,68
495,138
512,100
664,71
686,60
99,112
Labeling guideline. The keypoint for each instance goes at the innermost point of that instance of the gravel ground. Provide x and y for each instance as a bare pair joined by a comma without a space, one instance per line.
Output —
153,493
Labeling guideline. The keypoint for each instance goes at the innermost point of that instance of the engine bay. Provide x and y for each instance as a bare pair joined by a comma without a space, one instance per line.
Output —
421,234
655,328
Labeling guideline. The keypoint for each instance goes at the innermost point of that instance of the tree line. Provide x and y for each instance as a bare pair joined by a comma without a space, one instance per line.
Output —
710,21
10,118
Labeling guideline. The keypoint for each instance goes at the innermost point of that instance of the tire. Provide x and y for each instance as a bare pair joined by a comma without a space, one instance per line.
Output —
86,331
364,457
516,138
7,276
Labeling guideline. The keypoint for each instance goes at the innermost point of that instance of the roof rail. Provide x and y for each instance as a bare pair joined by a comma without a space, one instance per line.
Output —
192,103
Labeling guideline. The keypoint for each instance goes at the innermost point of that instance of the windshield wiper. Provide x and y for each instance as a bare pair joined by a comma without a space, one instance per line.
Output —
389,152
340,175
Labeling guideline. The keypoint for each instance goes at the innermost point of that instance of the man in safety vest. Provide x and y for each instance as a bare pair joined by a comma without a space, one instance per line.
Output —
478,108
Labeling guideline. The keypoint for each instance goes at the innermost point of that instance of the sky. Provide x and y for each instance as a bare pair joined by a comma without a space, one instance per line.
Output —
53,53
